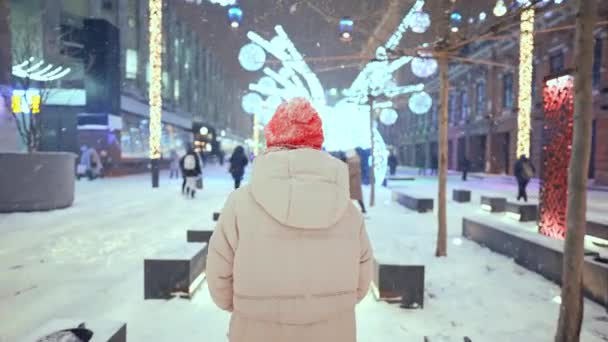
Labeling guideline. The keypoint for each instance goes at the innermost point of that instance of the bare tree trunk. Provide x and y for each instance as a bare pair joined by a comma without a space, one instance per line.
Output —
442,230
571,309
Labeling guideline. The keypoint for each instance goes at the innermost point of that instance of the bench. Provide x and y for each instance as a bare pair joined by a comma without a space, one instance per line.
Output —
493,204
178,272
461,196
419,204
536,252
103,331
399,283
597,229
522,212
216,216
193,235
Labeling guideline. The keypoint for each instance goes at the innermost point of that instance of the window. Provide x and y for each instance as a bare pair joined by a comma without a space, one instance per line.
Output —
507,91
480,100
597,62
131,64
464,105
452,107
556,62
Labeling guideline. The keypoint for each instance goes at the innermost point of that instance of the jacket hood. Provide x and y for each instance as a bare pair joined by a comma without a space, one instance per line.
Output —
303,188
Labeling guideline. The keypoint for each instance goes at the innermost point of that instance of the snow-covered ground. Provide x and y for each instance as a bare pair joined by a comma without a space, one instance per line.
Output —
87,262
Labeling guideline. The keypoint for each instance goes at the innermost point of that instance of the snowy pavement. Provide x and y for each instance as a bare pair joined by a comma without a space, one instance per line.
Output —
87,262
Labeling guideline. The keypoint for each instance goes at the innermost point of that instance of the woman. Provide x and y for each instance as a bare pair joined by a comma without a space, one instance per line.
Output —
354,174
190,166
290,257
238,162
174,165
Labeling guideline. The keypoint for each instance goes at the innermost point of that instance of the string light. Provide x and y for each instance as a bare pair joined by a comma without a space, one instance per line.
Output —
500,9
524,98
155,90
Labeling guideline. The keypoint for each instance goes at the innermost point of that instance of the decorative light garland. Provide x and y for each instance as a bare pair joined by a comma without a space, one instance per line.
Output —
36,72
526,65
155,89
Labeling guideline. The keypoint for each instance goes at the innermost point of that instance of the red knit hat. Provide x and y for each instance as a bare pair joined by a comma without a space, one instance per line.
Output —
295,124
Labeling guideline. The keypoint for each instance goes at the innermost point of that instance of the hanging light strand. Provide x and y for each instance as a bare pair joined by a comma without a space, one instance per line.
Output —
155,90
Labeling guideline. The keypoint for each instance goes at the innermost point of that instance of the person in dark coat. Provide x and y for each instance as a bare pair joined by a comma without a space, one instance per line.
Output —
352,159
434,165
524,171
392,164
191,170
238,162
466,166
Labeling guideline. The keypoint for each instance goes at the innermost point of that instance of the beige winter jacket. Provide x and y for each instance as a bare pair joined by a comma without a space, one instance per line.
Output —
290,256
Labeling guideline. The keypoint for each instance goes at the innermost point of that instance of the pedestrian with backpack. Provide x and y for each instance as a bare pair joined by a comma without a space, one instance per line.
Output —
191,170
524,171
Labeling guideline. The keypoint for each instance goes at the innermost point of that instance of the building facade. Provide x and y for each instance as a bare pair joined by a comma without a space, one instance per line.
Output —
113,68
482,102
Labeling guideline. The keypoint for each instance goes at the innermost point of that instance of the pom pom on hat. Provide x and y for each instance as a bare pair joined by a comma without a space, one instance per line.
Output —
295,124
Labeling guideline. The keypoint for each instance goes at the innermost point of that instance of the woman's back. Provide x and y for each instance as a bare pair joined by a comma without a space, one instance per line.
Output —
300,255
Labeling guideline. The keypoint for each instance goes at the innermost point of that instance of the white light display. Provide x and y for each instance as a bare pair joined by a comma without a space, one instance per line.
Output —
388,116
424,67
251,103
420,22
35,71
252,57
223,2
420,103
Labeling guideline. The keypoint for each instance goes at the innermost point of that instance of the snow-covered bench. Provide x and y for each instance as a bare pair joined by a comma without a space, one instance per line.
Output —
197,235
523,212
493,204
178,272
415,202
399,283
103,331
597,229
536,252
461,195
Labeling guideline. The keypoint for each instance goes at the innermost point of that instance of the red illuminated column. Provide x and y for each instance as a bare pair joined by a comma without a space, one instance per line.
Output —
557,140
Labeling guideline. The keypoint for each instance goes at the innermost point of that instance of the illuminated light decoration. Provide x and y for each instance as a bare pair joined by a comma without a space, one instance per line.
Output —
524,98
252,57
34,71
221,2
407,22
420,22
267,82
388,116
155,90
235,15
223,133
346,29
456,17
500,9
16,104
251,103
36,100
203,130
558,101
420,103
482,16
454,29
333,92
424,67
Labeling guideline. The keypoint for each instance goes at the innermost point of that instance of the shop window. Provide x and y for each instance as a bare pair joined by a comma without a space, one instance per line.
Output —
131,64
507,91
597,62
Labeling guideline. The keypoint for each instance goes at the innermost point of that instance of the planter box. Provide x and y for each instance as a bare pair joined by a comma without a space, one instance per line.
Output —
199,235
493,204
522,212
419,204
461,196
401,283
36,181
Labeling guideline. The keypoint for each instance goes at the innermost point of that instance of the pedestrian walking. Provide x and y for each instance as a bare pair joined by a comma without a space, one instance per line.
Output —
392,164
238,162
191,170
524,171
434,165
290,257
174,165
466,166
354,174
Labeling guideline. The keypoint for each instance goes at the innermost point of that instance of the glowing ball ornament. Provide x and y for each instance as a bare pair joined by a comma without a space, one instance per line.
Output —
420,103
500,9
252,57
424,67
388,116
420,22
251,103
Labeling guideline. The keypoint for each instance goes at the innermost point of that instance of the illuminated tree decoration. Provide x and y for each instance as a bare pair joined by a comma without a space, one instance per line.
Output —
420,22
420,103
251,103
252,57
36,71
424,67
558,100
388,116
524,99
155,90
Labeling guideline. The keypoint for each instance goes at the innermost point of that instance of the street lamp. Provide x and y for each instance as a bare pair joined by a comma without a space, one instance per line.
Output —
235,15
346,29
